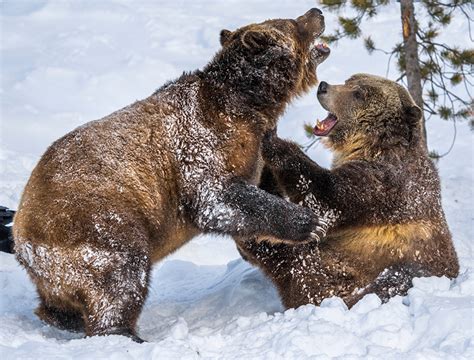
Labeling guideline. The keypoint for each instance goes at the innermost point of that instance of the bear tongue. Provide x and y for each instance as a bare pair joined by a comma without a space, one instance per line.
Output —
323,48
325,126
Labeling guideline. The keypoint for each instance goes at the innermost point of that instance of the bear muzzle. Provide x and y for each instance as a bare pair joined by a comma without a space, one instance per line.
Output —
311,25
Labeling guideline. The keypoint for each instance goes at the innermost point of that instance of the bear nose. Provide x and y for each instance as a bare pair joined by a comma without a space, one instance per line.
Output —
311,13
323,87
315,11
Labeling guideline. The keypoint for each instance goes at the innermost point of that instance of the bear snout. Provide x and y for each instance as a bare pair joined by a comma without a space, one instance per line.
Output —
314,11
311,24
323,87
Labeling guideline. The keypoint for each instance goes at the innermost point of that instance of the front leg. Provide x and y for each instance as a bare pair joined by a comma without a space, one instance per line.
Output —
299,272
297,176
288,166
353,193
269,183
239,209
394,280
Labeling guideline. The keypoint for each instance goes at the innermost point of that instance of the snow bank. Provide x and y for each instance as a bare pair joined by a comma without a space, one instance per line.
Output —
227,312
67,62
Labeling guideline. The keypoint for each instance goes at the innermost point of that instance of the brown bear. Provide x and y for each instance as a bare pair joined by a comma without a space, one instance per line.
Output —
380,203
122,192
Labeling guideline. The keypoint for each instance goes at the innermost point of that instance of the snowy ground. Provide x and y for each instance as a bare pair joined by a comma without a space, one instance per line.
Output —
66,62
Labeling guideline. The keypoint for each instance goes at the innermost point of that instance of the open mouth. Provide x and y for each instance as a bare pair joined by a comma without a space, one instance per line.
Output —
325,126
323,48
320,52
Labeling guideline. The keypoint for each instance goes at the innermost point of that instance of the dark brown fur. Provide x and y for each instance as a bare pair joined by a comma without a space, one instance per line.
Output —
122,192
380,202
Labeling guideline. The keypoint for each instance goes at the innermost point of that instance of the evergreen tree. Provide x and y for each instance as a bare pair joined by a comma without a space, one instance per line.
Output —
439,76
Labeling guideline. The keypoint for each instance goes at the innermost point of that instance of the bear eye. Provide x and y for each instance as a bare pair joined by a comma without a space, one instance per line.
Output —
358,94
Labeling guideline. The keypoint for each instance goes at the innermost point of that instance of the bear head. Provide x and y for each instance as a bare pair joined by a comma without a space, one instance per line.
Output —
368,111
271,62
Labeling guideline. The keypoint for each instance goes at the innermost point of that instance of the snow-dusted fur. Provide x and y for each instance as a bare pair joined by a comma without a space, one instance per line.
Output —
380,203
123,192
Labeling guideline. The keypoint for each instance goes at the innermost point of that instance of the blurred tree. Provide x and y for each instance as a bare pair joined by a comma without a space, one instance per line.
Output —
434,72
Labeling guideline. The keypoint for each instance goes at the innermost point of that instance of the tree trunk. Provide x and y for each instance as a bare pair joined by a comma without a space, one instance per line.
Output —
412,63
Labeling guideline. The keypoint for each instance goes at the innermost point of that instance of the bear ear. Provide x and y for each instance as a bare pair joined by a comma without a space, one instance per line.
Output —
413,113
254,39
225,36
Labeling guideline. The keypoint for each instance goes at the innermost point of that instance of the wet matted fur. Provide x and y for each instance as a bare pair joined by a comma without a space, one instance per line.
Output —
122,192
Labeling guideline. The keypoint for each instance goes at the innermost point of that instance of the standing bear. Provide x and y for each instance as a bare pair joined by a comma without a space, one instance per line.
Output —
124,191
379,205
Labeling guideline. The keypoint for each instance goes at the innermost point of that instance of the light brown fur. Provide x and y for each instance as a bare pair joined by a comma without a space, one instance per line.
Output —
380,202
371,241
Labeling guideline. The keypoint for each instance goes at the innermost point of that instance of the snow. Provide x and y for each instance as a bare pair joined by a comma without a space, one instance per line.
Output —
68,62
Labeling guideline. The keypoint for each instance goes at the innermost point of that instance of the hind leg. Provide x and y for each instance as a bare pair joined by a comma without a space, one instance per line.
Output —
61,317
109,313
116,297
104,277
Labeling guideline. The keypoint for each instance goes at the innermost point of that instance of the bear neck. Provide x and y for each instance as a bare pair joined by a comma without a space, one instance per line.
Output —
361,147
243,89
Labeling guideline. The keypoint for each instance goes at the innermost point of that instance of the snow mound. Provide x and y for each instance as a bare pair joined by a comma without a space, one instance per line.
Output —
233,311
